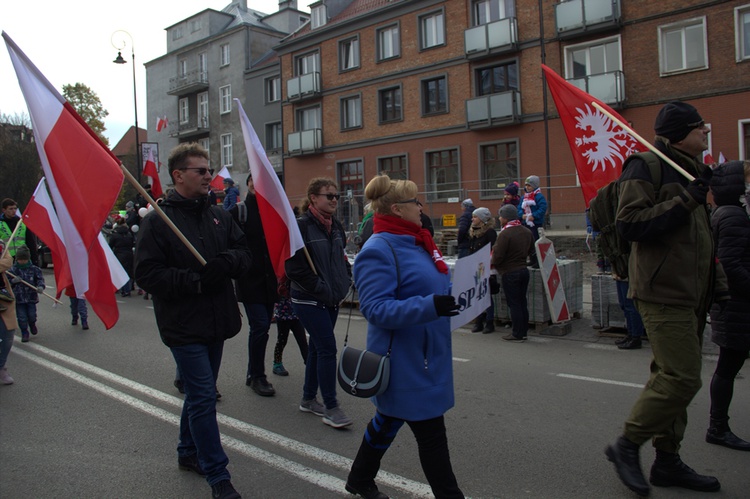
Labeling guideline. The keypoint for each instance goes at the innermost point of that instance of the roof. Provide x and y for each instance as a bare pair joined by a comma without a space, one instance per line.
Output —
244,16
126,145
355,9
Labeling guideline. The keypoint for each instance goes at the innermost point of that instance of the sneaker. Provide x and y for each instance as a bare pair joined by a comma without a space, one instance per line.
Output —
5,377
336,418
279,370
33,328
312,406
190,463
84,325
24,336
510,337
178,384
5,295
224,490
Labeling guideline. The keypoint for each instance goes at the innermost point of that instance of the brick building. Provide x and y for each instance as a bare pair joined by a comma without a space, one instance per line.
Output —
450,93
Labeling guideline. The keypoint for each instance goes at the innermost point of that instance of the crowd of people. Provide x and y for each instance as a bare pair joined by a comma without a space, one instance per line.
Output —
404,291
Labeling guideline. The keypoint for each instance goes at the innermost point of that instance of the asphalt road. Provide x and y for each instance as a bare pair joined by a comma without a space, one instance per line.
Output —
93,414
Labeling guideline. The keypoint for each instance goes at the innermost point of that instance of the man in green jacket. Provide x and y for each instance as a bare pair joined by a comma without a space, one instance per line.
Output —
674,278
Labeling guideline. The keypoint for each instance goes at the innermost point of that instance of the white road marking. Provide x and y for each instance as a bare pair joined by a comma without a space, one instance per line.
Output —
598,380
596,346
459,359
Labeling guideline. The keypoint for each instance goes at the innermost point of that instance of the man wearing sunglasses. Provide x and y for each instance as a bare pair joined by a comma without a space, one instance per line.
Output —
195,306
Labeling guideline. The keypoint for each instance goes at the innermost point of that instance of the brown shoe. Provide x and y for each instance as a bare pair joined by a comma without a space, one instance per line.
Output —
510,337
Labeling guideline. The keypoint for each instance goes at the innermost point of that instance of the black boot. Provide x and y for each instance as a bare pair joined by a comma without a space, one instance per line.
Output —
632,344
478,326
624,454
361,479
669,470
623,340
720,434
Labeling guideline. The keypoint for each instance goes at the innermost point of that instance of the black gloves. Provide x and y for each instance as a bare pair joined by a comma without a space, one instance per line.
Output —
698,188
445,305
214,272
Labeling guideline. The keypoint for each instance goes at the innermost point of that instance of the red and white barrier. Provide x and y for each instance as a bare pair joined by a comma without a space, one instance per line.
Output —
553,286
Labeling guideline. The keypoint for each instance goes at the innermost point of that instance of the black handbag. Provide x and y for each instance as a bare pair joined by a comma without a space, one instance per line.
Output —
363,373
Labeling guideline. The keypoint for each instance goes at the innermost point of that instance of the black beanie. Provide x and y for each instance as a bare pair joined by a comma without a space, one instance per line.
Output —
676,120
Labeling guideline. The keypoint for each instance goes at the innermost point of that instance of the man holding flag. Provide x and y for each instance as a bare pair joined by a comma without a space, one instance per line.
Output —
194,304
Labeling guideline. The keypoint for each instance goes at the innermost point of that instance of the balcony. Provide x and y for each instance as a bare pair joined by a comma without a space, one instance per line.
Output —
303,87
191,82
494,110
493,38
305,142
607,87
191,128
578,17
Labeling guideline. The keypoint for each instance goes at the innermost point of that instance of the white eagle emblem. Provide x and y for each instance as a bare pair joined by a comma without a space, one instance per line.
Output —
601,140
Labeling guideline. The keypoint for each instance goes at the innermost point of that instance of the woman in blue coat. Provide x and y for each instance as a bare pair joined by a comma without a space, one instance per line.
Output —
404,293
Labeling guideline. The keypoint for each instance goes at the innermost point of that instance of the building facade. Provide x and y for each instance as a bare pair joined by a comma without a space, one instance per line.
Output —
450,94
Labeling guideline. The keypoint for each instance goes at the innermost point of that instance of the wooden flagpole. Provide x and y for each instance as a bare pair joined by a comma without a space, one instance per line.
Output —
33,287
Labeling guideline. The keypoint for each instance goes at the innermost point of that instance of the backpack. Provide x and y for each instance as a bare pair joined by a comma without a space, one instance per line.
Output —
603,216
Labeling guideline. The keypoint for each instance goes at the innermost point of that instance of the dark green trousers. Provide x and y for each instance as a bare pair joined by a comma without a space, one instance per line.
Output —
676,337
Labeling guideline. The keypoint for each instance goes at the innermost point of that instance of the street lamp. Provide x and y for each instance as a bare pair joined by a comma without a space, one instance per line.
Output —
119,43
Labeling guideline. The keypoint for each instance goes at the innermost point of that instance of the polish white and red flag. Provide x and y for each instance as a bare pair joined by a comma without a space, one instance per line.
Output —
84,179
280,228
217,183
149,169
599,145
161,123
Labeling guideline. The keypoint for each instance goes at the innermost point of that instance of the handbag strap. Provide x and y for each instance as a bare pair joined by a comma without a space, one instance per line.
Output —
398,289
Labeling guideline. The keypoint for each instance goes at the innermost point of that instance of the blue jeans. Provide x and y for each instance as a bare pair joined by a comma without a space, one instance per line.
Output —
515,284
6,342
632,317
259,316
199,432
26,313
320,369
127,287
78,307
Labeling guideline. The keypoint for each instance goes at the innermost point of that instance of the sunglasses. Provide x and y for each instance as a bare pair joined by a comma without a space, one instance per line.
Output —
201,171
330,197
412,200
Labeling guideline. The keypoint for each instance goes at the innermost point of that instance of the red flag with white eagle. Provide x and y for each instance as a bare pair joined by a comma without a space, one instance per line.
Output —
599,145
217,183
149,169
84,178
283,237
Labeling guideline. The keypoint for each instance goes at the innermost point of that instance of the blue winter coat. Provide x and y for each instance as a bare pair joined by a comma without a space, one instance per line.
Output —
421,382
31,274
539,211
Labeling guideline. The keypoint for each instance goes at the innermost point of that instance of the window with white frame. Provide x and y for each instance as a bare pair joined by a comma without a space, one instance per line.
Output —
390,104
318,16
443,173
498,167
203,110
349,54
224,50
273,89
226,150
602,56
682,46
182,67
308,118
742,32
744,132
225,99
184,110
393,166
435,95
203,64
205,144
274,140
487,11
307,63
389,43
351,112
432,30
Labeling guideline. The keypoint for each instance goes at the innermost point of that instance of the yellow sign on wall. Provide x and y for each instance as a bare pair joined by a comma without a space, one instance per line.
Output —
449,220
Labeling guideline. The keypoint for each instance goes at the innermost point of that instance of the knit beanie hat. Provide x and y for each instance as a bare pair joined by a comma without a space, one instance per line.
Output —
512,189
483,214
23,253
533,181
508,212
467,203
676,120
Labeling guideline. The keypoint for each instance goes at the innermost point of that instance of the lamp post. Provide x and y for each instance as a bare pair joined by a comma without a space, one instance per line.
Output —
119,43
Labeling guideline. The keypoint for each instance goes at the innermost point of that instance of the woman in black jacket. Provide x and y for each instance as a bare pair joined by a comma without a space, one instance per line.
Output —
729,324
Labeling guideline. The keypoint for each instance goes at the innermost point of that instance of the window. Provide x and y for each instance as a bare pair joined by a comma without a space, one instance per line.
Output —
225,99
389,103
349,54
205,144
318,16
498,167
682,46
182,67
308,118
351,182
394,167
593,59
224,55
226,150
195,26
442,174
431,30
273,89
744,130
307,63
389,44
742,30
351,112
177,33
496,79
203,110
273,137
487,11
203,65
184,111
435,95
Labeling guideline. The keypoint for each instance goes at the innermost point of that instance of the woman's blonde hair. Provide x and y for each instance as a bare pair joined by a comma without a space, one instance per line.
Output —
384,192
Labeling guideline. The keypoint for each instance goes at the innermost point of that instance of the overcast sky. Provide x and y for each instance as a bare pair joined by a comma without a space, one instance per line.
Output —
70,42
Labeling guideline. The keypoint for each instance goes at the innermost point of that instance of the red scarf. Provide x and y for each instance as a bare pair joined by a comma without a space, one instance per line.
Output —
512,223
326,222
400,227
